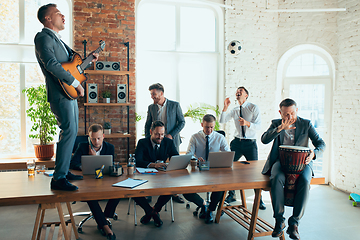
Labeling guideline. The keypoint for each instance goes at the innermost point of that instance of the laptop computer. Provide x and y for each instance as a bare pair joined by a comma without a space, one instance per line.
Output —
221,159
90,162
178,162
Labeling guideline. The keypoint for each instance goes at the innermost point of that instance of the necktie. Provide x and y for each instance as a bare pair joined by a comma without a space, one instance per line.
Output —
242,127
207,148
157,151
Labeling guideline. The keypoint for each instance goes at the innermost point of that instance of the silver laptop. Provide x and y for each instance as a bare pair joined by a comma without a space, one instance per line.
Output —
221,159
178,162
91,162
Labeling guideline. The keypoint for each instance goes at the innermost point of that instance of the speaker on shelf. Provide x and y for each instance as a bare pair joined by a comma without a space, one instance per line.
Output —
92,93
121,93
107,66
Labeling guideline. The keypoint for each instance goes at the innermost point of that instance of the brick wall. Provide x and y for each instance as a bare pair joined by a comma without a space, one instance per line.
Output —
113,22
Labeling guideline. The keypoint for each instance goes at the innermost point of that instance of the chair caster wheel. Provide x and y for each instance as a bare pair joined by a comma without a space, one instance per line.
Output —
187,206
80,230
195,213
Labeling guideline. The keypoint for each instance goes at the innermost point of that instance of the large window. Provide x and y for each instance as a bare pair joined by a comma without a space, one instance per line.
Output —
177,46
19,69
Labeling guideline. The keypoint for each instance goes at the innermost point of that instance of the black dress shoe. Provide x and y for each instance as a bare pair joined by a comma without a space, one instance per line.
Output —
278,230
111,236
262,205
178,199
202,214
230,199
157,220
145,219
149,199
209,217
293,232
101,230
62,184
71,176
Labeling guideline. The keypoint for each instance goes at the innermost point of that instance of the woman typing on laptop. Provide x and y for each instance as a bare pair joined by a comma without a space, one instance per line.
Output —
97,146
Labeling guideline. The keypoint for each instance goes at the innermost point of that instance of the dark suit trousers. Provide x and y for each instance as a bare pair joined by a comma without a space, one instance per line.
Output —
248,149
277,179
214,199
67,115
99,215
143,203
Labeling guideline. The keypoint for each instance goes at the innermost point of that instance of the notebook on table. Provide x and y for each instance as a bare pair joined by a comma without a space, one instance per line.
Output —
221,159
91,162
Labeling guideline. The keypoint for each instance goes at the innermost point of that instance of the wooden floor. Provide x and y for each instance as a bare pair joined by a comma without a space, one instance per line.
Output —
319,221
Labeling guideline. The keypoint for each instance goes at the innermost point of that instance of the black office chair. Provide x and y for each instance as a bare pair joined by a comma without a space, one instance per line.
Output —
80,139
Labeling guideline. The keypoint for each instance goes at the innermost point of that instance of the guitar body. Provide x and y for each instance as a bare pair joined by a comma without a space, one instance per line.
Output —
73,68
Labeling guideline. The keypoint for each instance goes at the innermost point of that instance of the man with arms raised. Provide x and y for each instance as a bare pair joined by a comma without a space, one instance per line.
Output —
294,131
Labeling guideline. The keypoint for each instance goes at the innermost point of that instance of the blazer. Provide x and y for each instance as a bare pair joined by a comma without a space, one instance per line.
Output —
50,54
145,153
303,132
175,121
83,149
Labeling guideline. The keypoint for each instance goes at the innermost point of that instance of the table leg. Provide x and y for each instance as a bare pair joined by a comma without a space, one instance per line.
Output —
219,209
62,220
72,220
254,214
37,222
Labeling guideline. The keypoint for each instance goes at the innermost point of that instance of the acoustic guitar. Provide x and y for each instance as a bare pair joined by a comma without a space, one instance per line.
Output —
76,68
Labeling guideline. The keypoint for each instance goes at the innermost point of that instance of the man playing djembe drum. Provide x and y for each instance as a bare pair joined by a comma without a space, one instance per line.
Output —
293,131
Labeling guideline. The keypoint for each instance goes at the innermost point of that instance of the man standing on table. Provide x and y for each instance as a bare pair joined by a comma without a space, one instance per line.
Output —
50,52
148,151
170,113
294,131
247,121
200,145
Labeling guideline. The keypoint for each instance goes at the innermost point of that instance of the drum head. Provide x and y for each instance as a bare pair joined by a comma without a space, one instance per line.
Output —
297,148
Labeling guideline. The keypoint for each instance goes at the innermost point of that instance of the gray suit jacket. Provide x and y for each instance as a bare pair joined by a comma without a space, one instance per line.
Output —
50,54
175,121
304,130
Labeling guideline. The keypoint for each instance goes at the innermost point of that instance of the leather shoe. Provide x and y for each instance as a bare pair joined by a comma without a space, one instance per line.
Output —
149,199
293,232
230,199
278,230
62,184
202,214
157,220
178,199
101,230
71,176
145,219
111,236
262,205
209,217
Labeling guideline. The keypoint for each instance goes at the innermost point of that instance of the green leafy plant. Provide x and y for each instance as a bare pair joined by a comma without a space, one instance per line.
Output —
44,121
138,117
107,125
106,94
197,111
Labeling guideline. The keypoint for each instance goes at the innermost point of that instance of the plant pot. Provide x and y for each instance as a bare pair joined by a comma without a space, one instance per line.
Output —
107,131
44,152
106,100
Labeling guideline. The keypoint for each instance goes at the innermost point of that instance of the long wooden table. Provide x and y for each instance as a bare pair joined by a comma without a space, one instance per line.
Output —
18,189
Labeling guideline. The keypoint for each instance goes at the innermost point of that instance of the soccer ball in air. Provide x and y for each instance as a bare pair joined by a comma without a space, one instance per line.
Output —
234,47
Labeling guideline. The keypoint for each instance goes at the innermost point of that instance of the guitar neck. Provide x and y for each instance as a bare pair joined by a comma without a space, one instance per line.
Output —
88,60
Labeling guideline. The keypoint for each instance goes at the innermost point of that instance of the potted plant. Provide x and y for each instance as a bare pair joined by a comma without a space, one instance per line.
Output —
106,96
44,121
196,113
107,128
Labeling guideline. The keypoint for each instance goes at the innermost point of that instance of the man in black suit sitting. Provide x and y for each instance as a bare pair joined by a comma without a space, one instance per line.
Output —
97,146
148,151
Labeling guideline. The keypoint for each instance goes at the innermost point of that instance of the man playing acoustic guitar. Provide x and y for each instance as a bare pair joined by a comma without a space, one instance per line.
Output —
50,52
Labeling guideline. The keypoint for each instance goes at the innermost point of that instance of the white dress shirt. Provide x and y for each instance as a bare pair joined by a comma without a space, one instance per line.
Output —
217,143
162,112
251,113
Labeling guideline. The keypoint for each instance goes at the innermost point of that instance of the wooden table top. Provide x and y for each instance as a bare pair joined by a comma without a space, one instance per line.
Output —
18,189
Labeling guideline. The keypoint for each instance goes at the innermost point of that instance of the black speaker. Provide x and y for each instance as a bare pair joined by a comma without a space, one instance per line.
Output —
92,93
107,66
121,93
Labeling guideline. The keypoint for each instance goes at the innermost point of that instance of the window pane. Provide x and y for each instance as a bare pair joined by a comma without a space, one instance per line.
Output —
10,108
9,21
307,65
156,27
32,24
197,29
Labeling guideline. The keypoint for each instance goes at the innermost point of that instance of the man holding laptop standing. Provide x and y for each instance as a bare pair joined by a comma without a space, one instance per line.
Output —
200,145
152,152
97,146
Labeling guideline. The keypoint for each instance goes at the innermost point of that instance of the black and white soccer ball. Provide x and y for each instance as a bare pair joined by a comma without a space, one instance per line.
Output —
234,47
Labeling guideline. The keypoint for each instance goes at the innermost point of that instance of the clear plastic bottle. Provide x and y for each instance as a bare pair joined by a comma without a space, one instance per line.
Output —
131,164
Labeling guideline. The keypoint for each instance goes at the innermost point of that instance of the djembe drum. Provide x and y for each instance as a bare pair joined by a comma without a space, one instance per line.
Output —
292,160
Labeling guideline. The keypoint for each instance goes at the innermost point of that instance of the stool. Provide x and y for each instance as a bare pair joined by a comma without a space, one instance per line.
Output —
40,226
